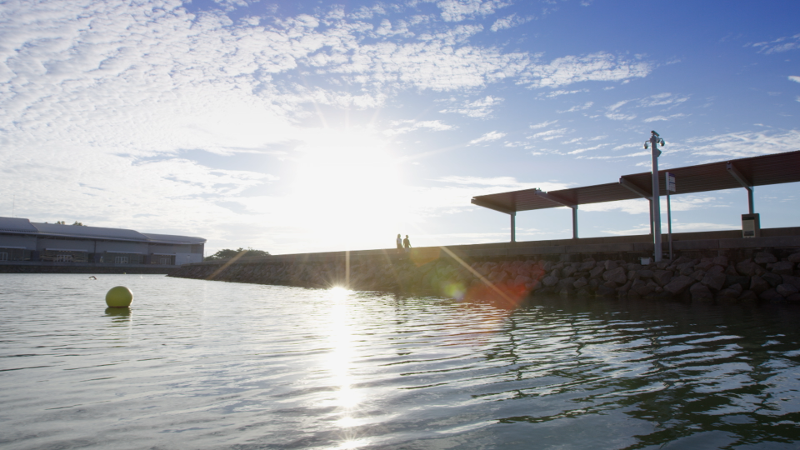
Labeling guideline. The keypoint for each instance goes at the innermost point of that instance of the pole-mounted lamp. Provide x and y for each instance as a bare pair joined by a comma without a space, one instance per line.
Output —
654,142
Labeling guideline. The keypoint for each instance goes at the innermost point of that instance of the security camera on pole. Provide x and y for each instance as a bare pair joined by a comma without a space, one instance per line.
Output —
653,143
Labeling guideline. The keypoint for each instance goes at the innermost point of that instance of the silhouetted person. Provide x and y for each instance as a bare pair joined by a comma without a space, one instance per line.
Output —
407,244
399,244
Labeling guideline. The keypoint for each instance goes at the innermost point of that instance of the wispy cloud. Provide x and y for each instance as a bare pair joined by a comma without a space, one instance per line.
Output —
743,144
405,126
582,107
663,118
479,108
549,134
509,21
458,10
594,67
544,124
782,44
488,137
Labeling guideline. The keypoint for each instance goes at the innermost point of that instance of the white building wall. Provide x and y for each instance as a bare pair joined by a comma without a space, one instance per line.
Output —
10,240
186,258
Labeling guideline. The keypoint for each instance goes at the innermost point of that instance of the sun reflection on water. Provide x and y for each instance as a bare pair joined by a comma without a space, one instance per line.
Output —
340,365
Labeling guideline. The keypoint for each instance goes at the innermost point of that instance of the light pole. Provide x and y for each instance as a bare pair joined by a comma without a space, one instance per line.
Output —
653,143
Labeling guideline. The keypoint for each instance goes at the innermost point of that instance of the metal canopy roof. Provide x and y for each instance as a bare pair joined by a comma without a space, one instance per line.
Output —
746,172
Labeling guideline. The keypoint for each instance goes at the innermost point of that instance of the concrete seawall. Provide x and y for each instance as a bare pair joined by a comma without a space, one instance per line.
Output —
717,266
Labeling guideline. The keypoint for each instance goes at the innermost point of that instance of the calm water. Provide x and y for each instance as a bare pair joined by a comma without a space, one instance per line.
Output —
210,365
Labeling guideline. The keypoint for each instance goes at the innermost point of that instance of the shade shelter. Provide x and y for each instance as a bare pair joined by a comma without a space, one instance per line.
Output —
744,173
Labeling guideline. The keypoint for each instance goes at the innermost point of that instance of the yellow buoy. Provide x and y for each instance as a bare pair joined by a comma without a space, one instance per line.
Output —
119,297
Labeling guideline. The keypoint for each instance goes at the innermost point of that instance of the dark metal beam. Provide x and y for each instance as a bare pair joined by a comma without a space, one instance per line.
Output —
554,199
635,188
494,206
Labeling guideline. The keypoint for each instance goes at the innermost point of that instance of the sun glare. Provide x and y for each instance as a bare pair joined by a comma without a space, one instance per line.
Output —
349,183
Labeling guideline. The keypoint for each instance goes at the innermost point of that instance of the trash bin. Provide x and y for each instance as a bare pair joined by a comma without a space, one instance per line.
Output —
751,226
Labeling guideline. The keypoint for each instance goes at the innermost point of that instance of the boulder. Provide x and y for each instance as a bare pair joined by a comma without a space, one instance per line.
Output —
645,273
522,280
616,275
606,292
568,271
642,288
549,280
795,281
772,279
794,257
714,281
764,258
786,289
698,275
716,269
679,284
783,268
580,283
704,264
720,260
794,298
588,265
731,270
771,295
731,293
746,267
701,293
610,265
597,271
748,296
758,285
662,277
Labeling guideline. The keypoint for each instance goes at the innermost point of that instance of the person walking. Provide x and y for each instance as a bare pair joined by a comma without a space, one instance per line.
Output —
407,244
399,244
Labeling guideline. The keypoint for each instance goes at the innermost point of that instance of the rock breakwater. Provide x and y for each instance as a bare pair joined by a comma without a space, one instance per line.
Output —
772,275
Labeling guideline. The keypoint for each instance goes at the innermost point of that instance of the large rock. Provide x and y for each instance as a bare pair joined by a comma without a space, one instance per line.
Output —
746,267
606,292
730,294
772,278
714,281
771,295
783,268
758,285
616,275
610,265
549,280
795,281
642,288
786,289
794,257
704,264
645,273
662,277
764,258
580,283
716,269
568,271
701,293
597,271
588,265
721,260
679,284
522,280
794,298
748,296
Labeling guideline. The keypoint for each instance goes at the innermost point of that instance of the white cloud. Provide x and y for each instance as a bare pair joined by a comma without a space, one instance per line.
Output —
794,78
458,10
509,22
779,45
549,134
479,108
499,184
405,126
488,137
544,124
586,149
575,108
595,67
743,144
663,118
557,93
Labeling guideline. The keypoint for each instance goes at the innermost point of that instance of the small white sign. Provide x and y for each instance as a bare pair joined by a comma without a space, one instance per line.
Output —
671,182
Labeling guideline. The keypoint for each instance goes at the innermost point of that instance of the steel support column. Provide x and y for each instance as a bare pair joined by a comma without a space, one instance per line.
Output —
513,227
575,222
738,176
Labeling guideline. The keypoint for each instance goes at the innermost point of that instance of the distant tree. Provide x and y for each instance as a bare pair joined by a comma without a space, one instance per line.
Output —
78,224
228,254
60,222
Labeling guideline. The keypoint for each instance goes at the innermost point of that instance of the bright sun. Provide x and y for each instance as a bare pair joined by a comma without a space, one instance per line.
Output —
351,182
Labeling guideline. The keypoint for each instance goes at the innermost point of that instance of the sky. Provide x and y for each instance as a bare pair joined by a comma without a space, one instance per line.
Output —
304,126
